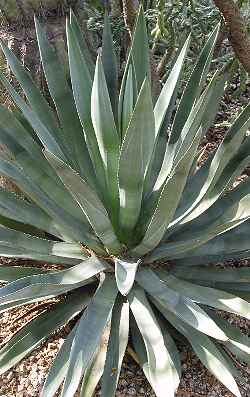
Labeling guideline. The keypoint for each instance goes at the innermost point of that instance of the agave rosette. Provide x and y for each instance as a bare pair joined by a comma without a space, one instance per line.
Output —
107,194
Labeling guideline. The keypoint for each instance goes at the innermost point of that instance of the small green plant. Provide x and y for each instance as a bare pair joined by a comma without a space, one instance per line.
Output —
107,196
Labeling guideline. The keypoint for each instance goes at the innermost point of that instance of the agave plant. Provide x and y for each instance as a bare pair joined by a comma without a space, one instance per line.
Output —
112,193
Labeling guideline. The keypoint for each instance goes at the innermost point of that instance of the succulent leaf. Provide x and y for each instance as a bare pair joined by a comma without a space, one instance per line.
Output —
94,371
159,364
117,345
209,354
58,370
96,317
111,184
35,332
110,67
135,154
106,135
125,272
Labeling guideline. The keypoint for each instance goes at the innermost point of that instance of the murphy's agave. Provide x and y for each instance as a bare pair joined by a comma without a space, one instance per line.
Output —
127,214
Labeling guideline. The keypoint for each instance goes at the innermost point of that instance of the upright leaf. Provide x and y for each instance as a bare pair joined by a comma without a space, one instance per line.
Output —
128,102
106,134
176,146
135,154
164,100
140,50
110,66
84,45
63,98
82,86
162,112
194,87
168,201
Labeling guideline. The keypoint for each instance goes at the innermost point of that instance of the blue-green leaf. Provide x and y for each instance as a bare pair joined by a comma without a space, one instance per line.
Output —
58,370
88,201
135,154
125,272
117,344
159,363
181,306
110,66
89,333
34,333
106,135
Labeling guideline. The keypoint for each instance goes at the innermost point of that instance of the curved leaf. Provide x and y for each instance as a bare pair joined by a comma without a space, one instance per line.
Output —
181,306
125,272
211,276
12,273
46,137
238,343
74,275
218,172
89,202
33,288
20,210
36,100
208,353
208,296
233,213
